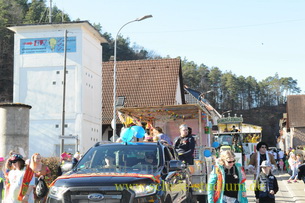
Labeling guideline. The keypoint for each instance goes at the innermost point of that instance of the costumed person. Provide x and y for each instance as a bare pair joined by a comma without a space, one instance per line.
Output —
185,145
21,181
260,156
267,184
65,164
2,178
257,158
8,164
227,181
41,171
158,132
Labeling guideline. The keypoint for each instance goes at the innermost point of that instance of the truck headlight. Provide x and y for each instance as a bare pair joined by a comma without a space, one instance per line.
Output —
144,190
57,192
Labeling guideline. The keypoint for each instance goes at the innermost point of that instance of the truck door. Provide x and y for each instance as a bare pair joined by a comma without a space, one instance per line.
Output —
175,180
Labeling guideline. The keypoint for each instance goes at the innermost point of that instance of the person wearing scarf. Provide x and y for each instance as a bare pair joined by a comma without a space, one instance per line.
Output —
227,181
20,181
257,159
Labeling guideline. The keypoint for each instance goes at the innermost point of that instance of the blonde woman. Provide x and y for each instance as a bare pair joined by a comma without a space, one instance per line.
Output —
41,171
227,181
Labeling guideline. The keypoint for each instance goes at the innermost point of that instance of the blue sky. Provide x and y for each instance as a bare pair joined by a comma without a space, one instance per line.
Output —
256,38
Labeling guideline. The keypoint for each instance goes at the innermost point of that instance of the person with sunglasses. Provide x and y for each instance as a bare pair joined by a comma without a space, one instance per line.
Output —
260,156
257,159
227,180
21,181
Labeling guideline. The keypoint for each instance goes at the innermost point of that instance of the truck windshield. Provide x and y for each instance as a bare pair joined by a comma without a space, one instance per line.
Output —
122,159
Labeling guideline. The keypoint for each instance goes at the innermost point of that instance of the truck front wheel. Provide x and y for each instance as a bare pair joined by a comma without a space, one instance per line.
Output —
202,199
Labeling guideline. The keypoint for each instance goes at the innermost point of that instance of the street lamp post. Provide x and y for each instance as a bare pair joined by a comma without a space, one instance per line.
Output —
114,73
204,93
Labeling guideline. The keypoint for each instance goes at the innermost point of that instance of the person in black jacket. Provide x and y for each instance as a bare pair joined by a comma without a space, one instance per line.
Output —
185,145
301,173
267,184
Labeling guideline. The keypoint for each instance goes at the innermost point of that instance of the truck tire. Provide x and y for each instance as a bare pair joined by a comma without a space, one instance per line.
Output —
194,199
168,199
190,198
202,199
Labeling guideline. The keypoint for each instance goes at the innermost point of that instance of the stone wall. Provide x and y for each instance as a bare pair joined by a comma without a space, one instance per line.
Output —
14,128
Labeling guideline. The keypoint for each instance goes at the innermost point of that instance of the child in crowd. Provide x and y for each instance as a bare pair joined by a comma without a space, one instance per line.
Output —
267,184
293,164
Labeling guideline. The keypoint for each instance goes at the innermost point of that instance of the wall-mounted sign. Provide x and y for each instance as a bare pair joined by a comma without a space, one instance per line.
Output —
47,45
230,120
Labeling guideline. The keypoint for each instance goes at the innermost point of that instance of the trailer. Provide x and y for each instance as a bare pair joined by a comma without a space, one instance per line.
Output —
239,137
169,118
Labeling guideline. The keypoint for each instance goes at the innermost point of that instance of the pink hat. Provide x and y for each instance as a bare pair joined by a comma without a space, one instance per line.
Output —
2,159
64,155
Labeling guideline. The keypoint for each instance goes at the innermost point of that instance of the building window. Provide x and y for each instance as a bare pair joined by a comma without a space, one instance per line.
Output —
54,82
120,101
57,72
56,126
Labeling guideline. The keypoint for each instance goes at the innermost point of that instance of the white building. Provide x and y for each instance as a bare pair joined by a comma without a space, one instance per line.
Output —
39,59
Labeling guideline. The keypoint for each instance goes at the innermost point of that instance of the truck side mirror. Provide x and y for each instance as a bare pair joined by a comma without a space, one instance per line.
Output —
175,165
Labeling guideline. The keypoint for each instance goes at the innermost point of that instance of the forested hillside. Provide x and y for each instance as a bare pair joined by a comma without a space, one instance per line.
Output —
229,91
261,102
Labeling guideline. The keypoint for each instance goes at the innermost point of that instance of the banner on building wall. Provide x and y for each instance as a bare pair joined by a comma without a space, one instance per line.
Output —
47,45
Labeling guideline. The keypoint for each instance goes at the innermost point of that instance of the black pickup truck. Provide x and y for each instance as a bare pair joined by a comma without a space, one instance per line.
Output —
124,173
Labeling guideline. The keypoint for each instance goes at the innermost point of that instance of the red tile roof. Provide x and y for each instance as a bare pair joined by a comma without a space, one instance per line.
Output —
142,83
296,110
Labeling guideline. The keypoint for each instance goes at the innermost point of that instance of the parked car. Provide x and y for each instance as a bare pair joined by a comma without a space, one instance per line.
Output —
130,172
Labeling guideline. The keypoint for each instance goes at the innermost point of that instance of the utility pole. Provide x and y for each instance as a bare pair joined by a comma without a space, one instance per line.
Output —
50,12
62,141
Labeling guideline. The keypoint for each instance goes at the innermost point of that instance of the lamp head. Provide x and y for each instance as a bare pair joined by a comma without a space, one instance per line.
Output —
144,17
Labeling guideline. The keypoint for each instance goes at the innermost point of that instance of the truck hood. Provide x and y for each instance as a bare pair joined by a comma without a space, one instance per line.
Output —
104,179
